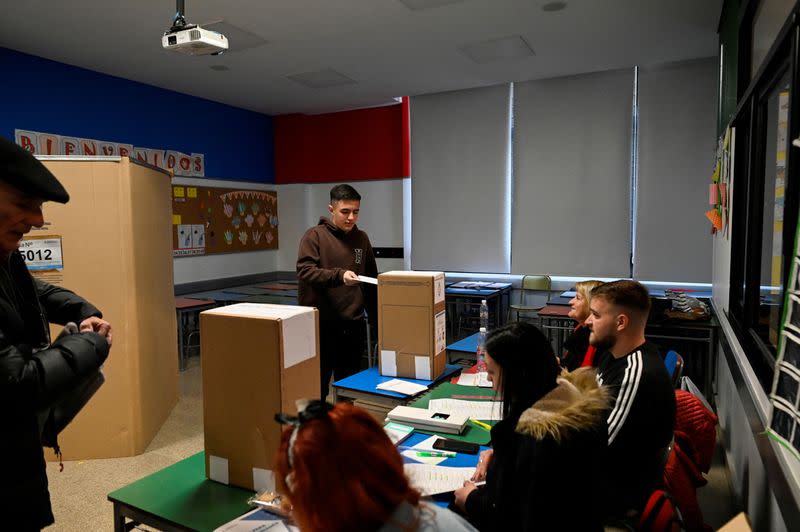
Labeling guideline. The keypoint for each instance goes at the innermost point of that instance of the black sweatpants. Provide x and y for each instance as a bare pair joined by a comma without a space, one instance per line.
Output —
341,345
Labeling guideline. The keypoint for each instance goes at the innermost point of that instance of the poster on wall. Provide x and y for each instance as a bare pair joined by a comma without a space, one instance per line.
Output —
209,221
181,164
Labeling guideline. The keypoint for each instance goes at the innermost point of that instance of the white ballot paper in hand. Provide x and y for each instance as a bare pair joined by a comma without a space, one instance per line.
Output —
365,279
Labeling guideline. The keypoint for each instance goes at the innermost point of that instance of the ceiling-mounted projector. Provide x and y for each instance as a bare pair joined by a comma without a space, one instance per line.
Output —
194,40
190,38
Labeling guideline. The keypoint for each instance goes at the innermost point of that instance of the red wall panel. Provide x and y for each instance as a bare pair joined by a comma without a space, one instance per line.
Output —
344,146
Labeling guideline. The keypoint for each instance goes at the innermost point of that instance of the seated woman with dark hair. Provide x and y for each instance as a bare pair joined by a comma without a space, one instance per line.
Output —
577,351
338,470
549,447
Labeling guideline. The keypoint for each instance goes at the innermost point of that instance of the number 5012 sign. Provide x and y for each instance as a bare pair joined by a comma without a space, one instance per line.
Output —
42,253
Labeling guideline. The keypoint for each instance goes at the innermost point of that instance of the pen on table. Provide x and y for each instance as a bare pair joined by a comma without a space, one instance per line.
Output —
480,424
436,454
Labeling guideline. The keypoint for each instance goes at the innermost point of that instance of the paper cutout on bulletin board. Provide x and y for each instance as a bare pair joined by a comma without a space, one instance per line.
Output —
719,188
217,220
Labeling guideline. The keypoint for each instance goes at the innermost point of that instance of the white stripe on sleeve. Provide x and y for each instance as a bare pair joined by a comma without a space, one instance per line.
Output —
626,396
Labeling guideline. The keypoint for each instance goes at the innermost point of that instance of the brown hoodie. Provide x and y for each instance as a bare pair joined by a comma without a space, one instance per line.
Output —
325,253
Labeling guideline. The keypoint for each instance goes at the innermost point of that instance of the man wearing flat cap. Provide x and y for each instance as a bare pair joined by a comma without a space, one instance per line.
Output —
36,374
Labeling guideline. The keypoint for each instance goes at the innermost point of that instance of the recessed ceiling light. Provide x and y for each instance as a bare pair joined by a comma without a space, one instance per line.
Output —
219,68
513,47
322,79
554,6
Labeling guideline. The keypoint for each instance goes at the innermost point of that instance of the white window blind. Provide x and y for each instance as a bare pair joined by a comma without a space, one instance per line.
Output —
572,153
676,154
459,180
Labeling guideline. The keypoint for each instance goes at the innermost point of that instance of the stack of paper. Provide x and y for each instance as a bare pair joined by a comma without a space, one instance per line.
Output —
474,379
257,521
483,410
401,386
397,432
431,479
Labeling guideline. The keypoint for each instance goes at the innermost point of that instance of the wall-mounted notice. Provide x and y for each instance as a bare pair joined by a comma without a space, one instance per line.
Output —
216,220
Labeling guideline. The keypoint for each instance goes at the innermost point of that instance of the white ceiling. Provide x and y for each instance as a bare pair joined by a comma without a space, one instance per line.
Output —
388,49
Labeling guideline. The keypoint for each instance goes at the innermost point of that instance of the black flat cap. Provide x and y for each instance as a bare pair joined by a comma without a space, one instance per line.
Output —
23,171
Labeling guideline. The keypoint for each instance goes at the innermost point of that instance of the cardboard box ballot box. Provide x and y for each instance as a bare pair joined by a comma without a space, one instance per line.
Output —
257,360
411,324
112,245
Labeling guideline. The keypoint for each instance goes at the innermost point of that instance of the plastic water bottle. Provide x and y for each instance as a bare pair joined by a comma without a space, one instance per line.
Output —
484,315
480,360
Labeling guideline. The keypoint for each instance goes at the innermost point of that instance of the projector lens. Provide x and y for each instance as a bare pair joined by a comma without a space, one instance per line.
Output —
172,40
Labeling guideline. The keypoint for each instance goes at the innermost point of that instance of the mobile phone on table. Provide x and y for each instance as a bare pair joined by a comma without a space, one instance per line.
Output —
443,444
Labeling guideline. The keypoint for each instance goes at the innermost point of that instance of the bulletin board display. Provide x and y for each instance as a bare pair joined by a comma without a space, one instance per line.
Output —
209,221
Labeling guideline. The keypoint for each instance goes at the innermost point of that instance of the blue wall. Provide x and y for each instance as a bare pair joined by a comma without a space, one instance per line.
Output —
42,95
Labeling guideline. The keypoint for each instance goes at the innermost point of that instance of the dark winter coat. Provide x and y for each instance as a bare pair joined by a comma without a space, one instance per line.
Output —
33,377
556,447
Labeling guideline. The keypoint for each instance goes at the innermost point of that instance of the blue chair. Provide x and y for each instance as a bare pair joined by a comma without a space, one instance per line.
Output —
674,363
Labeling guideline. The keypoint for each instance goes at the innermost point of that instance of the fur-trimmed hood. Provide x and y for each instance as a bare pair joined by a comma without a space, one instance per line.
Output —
577,402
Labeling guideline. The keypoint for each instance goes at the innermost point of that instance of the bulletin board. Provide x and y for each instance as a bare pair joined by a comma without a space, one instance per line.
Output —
209,221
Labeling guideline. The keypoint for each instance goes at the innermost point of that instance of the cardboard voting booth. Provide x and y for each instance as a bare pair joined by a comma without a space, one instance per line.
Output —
411,324
257,360
111,244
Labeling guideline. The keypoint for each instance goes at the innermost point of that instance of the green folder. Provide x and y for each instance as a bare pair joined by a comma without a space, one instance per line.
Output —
447,390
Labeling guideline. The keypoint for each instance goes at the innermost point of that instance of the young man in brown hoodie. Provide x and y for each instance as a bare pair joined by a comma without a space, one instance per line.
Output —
332,255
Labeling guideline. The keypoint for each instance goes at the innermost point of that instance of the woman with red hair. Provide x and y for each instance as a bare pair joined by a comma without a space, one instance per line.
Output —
338,470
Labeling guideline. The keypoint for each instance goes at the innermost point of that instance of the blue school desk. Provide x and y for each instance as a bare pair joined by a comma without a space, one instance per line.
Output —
362,386
463,304
464,349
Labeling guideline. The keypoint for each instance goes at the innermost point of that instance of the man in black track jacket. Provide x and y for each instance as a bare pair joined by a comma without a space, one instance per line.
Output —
642,418
35,374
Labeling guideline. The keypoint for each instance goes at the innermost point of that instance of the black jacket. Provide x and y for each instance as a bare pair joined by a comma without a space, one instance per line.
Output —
33,376
640,425
540,461
575,347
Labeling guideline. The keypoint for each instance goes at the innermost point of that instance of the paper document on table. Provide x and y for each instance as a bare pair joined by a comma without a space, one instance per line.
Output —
257,521
430,479
397,432
401,386
365,279
480,379
483,410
